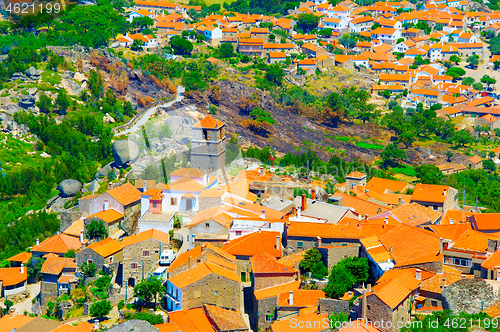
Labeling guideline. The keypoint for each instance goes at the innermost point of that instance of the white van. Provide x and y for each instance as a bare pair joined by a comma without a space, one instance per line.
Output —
160,272
167,257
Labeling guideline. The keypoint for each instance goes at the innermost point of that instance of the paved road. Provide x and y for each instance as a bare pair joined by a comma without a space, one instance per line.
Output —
482,68
151,111
34,289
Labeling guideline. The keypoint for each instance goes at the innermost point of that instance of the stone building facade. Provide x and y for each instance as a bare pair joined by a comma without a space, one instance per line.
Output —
140,257
377,310
333,254
213,289
90,256
208,145
265,280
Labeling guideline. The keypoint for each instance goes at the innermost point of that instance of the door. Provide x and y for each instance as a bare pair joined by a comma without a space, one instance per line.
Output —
189,204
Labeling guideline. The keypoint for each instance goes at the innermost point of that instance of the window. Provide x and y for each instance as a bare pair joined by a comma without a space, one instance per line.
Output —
154,205
368,307
133,265
145,253
111,260
269,317
89,261
435,207
173,201
216,292
458,261
238,233
63,286
434,303
300,244
207,225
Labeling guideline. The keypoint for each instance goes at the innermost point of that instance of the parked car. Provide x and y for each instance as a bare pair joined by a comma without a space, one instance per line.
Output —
160,272
167,257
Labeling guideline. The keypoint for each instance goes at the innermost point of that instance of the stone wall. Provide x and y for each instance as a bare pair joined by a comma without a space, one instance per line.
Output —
89,254
451,200
264,280
312,242
205,203
261,308
213,289
332,256
434,267
332,306
377,311
68,217
48,292
135,254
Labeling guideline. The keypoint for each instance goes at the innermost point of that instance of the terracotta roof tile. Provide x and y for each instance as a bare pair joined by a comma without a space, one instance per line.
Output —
291,260
265,263
199,272
486,221
146,235
312,323
191,320
55,265
472,240
109,216
435,283
59,244
11,276
212,214
185,183
125,194
430,193
276,290
22,257
76,228
450,232
225,319
254,243
10,323
197,252
344,231
168,327
391,292
106,247
301,298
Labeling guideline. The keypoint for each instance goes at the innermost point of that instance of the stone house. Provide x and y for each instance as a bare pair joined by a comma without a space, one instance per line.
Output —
204,283
200,254
58,244
124,199
489,121
58,278
355,179
331,255
474,162
152,214
107,252
208,144
290,303
141,253
431,289
267,272
12,280
485,222
19,259
247,246
110,218
265,302
439,198
211,221
262,33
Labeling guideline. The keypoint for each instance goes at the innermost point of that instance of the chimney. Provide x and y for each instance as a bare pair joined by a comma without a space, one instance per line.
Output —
37,242
444,192
319,241
313,194
366,217
390,249
443,282
190,262
278,242
451,221
386,220
399,200
402,202
263,214
290,298
369,288
299,212
418,274
96,324
204,181
363,310
22,268
105,206
261,171
203,247
304,202
81,237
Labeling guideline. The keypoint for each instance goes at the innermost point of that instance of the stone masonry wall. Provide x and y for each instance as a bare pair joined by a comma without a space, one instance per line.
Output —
201,258
213,289
263,307
332,256
332,306
135,254
265,280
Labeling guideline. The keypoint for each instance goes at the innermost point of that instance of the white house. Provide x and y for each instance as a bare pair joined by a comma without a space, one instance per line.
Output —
139,13
12,280
361,23
339,11
333,23
213,35
387,35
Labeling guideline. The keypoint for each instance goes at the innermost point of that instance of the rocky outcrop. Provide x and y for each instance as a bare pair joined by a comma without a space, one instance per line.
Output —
33,73
69,187
108,119
80,77
125,153
27,101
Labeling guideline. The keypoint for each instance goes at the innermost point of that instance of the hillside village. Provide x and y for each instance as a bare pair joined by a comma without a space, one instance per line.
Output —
234,253
219,243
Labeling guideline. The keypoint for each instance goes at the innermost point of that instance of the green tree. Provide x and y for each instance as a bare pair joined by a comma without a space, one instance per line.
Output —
181,46
488,80
325,32
275,74
44,103
478,86
88,269
62,101
462,137
496,64
96,84
34,267
110,97
473,61
142,22
311,257
319,270
8,304
96,230
407,137
455,59
392,154
137,45
359,267
226,50
70,253
128,109
489,165
336,320
429,174
151,318
468,81
100,309
307,22
448,154
149,289
455,72
339,282
261,116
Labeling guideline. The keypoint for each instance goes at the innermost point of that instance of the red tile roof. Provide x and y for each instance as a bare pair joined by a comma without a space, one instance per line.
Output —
55,265
125,194
199,272
430,193
265,263
11,276
146,235
254,243
22,257
59,244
